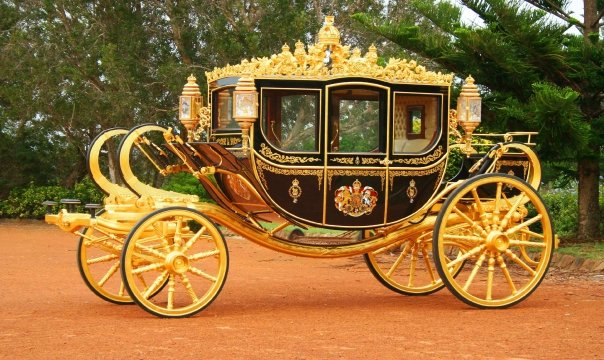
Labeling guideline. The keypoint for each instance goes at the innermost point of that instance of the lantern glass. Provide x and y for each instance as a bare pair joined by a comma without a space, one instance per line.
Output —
461,108
475,105
244,105
185,109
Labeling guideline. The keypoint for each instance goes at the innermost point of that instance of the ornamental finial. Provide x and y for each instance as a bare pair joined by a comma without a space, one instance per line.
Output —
329,34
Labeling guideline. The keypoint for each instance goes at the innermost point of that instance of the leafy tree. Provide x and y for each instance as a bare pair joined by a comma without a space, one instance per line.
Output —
70,69
533,73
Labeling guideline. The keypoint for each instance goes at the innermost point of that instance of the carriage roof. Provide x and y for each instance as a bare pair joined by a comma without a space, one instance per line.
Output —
329,59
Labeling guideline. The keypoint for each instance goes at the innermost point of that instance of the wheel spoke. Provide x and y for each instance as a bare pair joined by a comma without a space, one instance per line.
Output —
171,286
412,265
470,253
150,267
528,243
473,239
142,280
193,239
470,221
479,208
496,211
150,250
156,284
112,270
519,261
506,273
187,283
101,259
178,233
204,254
510,213
202,274
428,265
474,271
399,259
525,224
490,273
531,233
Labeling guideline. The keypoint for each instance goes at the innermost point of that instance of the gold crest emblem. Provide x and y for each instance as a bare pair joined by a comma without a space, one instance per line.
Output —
356,200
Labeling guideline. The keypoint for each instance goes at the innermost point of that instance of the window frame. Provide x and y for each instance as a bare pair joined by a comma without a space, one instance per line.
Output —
333,127
285,91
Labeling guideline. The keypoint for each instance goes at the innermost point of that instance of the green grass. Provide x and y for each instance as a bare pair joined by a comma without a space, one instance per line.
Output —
585,250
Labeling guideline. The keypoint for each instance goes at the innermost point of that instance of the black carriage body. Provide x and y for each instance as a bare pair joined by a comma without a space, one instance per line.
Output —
351,152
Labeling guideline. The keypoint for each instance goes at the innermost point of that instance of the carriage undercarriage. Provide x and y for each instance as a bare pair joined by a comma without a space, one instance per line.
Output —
486,235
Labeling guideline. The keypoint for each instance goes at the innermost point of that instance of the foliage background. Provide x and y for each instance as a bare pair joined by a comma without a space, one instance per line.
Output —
71,69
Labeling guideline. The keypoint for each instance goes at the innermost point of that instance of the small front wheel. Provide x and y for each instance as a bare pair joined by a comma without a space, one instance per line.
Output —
506,248
99,261
179,246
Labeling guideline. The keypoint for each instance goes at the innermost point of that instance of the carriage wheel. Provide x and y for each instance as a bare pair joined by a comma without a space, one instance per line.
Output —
179,246
508,249
407,266
99,262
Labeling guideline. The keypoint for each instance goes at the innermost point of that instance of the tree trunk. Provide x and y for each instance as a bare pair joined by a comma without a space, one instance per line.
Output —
589,209
589,167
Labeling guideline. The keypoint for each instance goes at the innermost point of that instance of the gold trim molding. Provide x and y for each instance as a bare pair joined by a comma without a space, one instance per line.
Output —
436,155
268,153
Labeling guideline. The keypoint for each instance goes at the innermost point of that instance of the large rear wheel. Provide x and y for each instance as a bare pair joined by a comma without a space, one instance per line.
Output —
508,248
180,246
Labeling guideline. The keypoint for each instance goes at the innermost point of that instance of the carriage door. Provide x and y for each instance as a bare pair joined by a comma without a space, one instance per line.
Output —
356,124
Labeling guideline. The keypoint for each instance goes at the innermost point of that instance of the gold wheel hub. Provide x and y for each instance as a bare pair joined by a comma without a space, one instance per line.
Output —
497,241
177,262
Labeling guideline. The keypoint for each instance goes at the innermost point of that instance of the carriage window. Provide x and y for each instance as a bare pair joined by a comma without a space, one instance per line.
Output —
415,122
291,119
355,119
222,101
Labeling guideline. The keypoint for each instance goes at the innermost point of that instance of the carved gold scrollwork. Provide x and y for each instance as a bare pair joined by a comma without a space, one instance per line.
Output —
370,161
345,161
262,166
268,153
525,165
437,154
228,141
329,59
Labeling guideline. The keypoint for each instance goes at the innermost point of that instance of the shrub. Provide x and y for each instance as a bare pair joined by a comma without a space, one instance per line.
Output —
26,202
186,183
563,208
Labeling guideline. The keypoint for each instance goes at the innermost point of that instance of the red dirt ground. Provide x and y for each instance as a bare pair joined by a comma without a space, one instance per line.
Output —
281,307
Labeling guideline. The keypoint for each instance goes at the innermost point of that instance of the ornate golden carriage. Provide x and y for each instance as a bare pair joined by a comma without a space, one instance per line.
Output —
323,137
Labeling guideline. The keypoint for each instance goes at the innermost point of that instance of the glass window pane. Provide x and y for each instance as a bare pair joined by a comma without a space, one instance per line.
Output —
223,113
415,125
355,120
291,119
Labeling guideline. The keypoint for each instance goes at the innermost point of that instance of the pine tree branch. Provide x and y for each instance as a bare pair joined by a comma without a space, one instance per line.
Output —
558,12
598,18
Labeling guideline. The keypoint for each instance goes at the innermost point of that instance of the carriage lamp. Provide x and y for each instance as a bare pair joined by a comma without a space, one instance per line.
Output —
189,106
245,107
469,111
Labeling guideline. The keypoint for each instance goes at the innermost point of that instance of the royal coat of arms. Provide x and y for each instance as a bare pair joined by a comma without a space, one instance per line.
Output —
356,200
